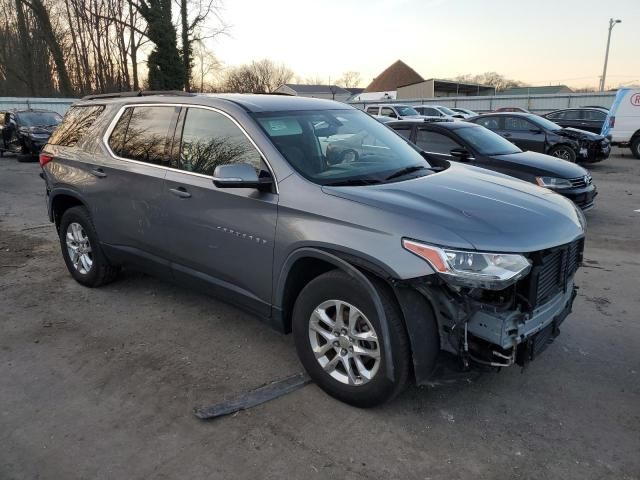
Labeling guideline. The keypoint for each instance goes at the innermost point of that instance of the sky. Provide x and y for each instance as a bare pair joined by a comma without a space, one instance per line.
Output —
540,42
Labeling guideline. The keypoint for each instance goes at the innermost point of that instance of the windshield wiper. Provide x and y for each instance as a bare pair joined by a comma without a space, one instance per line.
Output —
407,170
352,182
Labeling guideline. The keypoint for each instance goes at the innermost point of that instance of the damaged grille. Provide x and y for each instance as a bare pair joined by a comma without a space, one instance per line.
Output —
552,271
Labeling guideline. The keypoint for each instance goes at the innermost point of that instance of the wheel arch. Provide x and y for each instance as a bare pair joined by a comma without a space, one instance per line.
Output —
60,202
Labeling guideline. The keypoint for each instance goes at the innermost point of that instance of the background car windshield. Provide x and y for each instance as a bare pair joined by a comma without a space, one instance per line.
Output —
340,146
406,111
39,119
544,123
486,142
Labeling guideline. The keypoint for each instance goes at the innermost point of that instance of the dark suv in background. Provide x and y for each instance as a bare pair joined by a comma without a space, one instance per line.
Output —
27,131
589,119
378,261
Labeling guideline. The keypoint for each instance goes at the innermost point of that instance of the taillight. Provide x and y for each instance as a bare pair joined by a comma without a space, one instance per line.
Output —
44,159
612,122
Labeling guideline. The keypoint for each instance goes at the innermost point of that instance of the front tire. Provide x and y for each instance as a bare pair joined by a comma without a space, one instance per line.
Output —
341,344
635,147
563,152
81,249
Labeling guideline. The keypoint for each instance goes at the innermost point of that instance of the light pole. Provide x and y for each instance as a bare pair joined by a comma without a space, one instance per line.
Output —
612,23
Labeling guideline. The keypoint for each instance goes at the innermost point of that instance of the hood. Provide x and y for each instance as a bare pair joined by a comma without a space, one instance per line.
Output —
540,164
578,134
490,212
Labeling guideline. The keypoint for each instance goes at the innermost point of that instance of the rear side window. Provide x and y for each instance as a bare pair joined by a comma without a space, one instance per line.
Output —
594,115
435,142
75,125
372,110
145,134
210,139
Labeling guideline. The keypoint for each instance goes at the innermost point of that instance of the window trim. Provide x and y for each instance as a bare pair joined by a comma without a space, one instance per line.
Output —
120,112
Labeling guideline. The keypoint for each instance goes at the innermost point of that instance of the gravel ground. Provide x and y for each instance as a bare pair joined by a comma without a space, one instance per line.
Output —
100,384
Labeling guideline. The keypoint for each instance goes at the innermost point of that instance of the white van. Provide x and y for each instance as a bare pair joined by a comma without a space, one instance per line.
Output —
623,121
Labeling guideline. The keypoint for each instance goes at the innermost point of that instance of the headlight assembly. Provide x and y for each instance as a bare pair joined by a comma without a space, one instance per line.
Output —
552,182
492,271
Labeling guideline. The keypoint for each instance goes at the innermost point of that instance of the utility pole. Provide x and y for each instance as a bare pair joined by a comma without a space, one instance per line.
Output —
612,23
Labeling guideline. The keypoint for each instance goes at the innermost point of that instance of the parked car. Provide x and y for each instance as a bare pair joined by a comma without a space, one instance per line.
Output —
623,121
27,131
376,264
535,133
465,112
512,109
393,110
589,119
480,147
438,111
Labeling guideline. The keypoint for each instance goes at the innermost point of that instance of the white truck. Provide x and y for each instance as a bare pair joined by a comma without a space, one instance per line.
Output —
623,121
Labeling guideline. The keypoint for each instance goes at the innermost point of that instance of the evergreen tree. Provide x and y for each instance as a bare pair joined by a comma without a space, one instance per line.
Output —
166,68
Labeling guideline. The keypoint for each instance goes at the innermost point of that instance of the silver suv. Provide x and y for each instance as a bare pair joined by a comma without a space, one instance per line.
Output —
321,221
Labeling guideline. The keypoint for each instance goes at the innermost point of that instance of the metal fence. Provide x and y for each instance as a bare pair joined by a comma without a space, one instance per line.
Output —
59,105
533,103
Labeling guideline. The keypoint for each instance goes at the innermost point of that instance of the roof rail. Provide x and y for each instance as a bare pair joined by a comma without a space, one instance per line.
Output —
139,93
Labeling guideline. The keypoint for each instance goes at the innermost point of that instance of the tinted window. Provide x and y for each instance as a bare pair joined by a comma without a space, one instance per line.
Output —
492,123
144,134
435,142
210,139
572,115
594,115
404,131
518,124
75,124
388,112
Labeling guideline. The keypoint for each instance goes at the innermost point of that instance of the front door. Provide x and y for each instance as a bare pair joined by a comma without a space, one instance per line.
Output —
220,237
524,134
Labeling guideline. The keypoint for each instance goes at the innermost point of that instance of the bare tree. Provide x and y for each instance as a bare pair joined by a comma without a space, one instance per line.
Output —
350,79
262,76
494,79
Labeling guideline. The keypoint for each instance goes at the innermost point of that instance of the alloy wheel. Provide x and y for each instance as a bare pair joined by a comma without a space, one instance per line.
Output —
562,153
344,342
79,248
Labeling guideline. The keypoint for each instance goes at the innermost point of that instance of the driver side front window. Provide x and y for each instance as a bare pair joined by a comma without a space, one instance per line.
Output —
435,142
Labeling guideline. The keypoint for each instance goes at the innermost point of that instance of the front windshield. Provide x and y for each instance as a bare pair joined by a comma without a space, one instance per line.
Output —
486,142
342,147
405,111
39,119
544,123
448,111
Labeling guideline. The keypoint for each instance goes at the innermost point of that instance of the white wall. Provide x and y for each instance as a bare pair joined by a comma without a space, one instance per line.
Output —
59,105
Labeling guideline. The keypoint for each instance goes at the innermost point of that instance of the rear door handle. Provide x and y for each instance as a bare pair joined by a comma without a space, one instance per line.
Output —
98,172
180,192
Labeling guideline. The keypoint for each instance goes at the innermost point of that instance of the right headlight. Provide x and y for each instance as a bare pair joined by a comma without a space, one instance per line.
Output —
492,271
553,182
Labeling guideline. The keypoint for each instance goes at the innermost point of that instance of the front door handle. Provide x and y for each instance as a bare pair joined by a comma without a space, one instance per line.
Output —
98,172
180,192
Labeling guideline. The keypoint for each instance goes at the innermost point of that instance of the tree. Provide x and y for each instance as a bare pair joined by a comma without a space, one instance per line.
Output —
262,76
350,79
494,79
165,65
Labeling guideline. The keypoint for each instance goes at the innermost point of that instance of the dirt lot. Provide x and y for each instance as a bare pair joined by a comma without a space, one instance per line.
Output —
100,384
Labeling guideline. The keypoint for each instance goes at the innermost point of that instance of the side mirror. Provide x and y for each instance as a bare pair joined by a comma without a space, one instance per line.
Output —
460,154
240,175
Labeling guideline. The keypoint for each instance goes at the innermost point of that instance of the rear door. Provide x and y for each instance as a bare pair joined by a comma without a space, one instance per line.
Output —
127,185
221,237
523,133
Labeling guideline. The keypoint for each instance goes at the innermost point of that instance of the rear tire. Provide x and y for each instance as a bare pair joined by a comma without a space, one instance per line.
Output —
82,251
635,147
359,373
563,152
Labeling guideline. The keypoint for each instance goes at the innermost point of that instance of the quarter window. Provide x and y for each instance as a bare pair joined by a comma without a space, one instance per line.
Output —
210,139
75,124
144,134
435,142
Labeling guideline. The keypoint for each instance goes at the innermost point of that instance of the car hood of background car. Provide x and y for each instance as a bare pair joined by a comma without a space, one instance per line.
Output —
578,134
492,212
541,164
